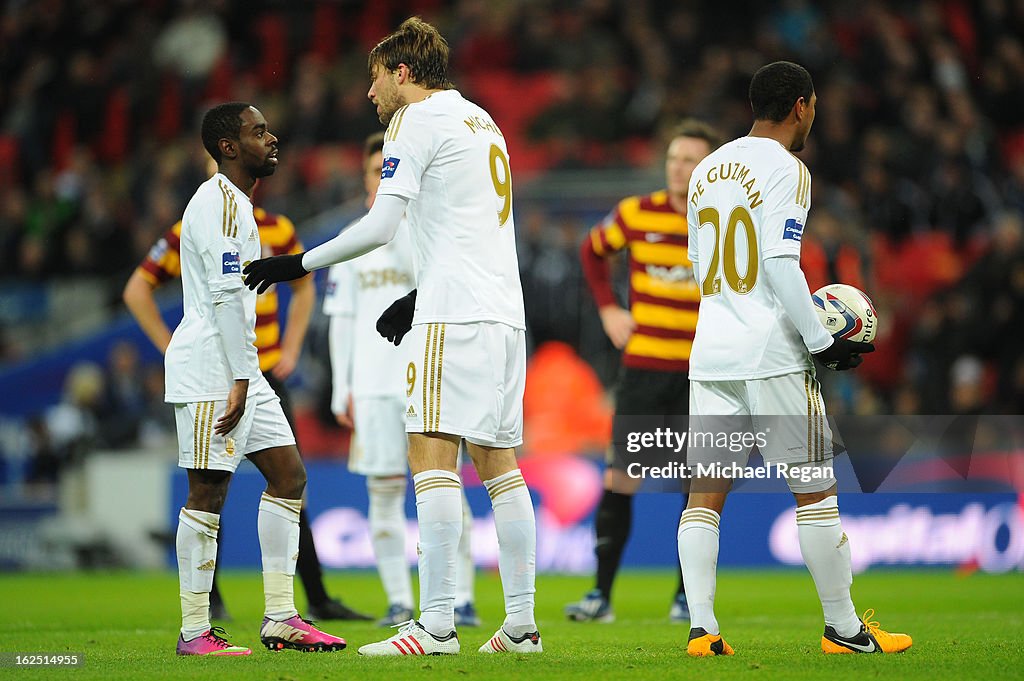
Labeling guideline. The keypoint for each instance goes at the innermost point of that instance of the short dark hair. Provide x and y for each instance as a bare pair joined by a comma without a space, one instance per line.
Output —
222,121
419,46
691,127
775,88
373,144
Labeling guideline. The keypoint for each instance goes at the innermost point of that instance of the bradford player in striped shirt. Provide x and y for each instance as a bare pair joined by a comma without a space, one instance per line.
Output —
278,357
655,335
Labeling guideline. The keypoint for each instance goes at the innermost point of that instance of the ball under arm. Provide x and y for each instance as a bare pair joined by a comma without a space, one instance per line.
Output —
790,285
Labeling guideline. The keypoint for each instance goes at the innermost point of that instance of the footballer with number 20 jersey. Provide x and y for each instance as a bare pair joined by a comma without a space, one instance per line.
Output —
743,332
467,270
218,237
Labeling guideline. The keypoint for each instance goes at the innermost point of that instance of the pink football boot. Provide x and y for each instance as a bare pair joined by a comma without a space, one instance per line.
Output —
211,643
297,634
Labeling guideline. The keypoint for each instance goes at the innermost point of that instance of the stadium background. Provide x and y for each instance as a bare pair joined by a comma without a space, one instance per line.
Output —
918,162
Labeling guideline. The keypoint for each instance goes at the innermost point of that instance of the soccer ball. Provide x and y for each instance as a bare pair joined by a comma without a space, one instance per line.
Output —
846,312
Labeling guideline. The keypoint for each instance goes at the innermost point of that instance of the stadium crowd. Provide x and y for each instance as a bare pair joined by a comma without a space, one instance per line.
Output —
917,154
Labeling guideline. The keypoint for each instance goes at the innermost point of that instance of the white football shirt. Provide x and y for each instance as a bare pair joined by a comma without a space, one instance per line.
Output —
748,201
361,289
448,158
218,238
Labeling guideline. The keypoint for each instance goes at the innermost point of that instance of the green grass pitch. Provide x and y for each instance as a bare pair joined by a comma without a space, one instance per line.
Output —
126,624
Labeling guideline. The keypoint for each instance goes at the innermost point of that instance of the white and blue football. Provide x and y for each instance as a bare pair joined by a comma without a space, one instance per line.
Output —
846,312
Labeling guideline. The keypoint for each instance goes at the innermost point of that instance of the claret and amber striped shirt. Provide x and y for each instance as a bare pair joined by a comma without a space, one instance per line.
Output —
663,296
277,237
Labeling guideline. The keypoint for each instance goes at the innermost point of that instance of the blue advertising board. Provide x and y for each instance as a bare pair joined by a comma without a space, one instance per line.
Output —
758,529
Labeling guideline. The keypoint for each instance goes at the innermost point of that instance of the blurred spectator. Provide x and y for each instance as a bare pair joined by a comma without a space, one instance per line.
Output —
551,276
956,207
887,208
69,430
831,252
124,405
45,462
191,43
967,379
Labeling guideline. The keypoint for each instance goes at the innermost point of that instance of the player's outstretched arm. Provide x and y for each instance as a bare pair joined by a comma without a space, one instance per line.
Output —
377,228
265,272
396,321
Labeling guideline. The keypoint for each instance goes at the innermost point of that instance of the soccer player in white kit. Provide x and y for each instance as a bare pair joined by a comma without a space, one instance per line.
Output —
446,168
751,368
224,408
375,388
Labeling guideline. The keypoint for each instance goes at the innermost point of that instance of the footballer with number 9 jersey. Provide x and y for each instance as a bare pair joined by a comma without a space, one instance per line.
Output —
446,168
370,378
751,368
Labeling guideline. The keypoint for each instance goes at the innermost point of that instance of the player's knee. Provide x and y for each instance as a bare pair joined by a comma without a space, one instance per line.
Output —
714,500
289,485
208,499
207,490
297,481
810,483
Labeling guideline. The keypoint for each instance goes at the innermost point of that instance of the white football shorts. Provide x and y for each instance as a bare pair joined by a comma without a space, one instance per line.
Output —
466,380
262,426
785,415
380,446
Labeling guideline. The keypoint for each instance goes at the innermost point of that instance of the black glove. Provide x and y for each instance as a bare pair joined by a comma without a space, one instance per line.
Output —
267,271
843,354
396,321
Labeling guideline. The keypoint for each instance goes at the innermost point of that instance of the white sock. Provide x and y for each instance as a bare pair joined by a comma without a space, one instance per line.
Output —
698,558
278,528
465,570
827,555
387,534
196,545
439,510
516,526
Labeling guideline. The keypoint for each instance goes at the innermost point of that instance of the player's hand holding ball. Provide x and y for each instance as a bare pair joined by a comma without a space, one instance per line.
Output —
849,315
843,354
